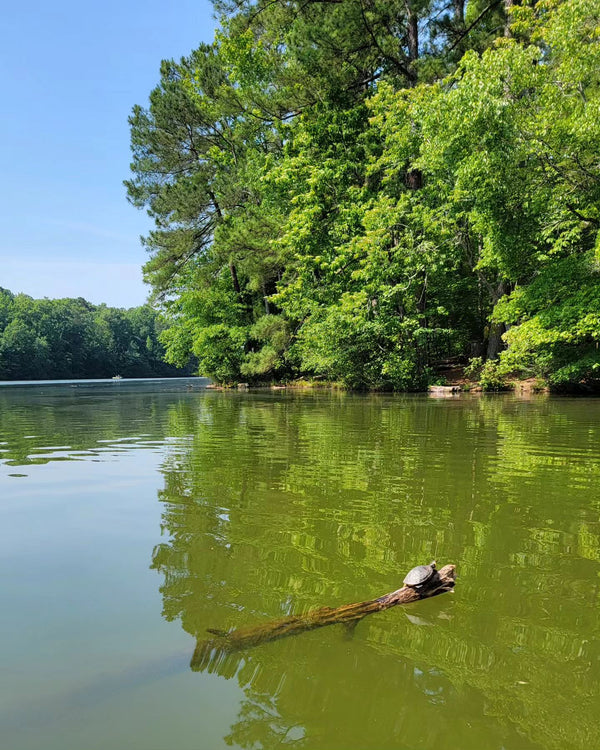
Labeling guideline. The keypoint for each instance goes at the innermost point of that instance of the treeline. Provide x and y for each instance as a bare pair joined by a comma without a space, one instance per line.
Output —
71,338
360,190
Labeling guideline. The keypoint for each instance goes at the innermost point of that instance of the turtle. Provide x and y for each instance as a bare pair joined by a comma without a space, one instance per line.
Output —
419,576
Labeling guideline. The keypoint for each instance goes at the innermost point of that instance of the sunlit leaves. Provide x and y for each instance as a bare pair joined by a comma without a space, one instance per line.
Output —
309,169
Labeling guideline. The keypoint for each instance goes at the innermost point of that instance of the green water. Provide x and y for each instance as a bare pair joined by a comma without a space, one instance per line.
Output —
135,516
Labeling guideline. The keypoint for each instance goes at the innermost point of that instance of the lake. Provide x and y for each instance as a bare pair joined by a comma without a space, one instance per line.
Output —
134,516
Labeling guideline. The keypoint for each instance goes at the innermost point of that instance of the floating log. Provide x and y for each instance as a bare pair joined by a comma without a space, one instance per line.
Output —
444,390
348,615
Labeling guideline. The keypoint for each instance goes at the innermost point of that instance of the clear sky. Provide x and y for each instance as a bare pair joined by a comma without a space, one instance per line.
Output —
72,71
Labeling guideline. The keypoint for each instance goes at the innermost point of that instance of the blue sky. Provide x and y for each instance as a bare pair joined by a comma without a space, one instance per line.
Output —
71,73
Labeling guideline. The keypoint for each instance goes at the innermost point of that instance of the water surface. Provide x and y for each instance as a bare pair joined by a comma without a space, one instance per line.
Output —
135,516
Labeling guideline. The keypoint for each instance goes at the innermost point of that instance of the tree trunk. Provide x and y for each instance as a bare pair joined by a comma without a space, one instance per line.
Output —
210,651
414,179
459,12
412,35
234,279
232,268
508,5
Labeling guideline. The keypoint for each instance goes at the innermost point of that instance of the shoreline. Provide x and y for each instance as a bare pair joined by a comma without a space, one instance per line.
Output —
459,387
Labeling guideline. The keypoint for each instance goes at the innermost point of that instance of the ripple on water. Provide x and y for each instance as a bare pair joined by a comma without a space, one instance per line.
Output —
272,506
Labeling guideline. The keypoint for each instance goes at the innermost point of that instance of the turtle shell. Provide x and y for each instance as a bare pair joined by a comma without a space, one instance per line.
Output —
419,575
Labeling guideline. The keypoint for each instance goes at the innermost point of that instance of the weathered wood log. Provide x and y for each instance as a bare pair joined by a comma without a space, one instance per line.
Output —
348,615
444,390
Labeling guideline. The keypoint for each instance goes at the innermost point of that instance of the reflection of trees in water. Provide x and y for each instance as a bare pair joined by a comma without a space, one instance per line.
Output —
373,692
280,505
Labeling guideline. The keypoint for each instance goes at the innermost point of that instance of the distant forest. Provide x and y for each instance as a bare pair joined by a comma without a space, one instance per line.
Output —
361,190
71,338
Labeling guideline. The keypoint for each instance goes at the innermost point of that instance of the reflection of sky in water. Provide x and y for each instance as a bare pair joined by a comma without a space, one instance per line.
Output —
106,450
44,423
88,656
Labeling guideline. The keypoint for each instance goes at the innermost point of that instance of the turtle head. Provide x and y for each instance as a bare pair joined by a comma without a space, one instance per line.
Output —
432,564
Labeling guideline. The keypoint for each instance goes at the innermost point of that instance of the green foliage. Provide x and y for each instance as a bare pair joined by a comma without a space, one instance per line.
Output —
473,369
559,323
220,351
272,336
491,374
507,150
71,338
336,196
492,377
